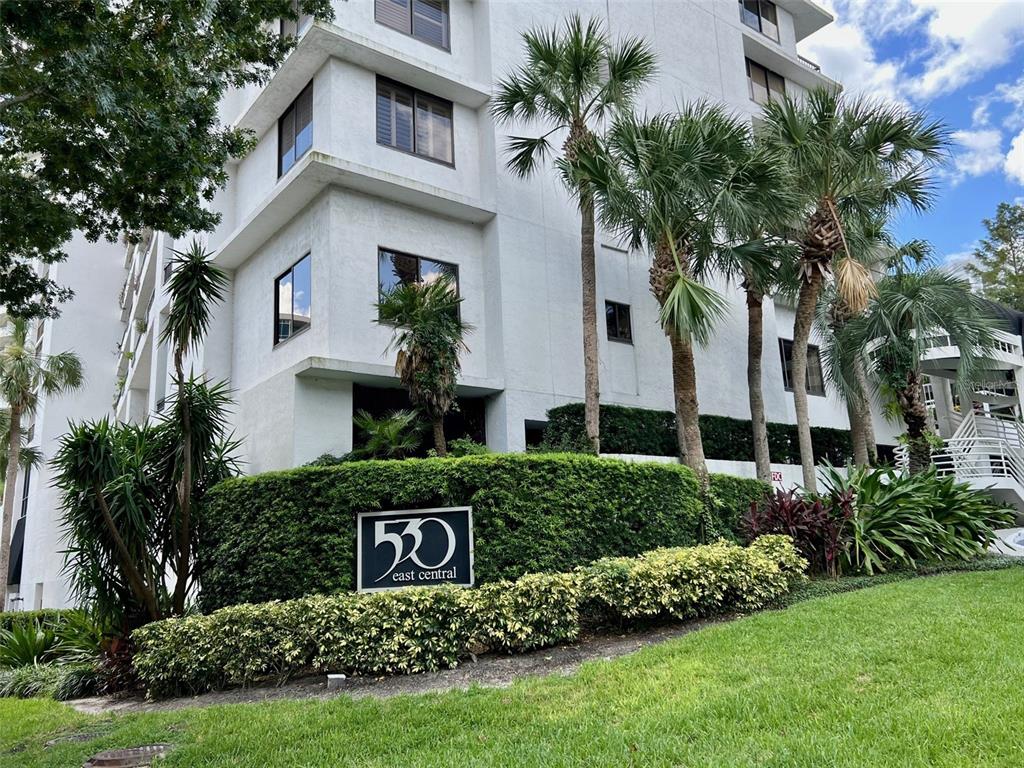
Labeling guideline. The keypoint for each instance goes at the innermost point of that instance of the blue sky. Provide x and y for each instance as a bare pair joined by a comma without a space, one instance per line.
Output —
963,62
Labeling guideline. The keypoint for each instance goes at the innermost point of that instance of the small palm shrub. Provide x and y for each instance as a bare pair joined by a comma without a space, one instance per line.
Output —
818,527
57,681
28,644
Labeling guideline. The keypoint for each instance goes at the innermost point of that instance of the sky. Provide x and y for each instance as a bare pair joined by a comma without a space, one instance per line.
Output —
962,61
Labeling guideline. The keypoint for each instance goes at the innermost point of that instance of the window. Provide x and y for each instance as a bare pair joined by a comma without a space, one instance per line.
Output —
26,485
765,85
762,16
414,122
815,381
617,320
295,131
426,20
394,269
292,28
292,306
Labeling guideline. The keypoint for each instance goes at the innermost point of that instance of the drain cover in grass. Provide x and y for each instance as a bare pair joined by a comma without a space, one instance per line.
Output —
135,757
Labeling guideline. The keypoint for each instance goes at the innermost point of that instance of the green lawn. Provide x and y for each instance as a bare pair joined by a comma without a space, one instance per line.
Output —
928,672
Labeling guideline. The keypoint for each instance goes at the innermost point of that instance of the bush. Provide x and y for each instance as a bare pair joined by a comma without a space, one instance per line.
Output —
816,526
731,497
903,520
427,628
282,535
57,681
10,619
685,583
653,433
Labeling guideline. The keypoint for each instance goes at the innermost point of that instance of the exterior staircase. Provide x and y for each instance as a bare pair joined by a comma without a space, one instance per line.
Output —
987,453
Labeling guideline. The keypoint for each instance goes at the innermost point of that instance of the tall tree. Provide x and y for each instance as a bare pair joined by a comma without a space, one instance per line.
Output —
109,121
429,336
195,286
573,79
25,375
685,187
851,158
999,258
910,309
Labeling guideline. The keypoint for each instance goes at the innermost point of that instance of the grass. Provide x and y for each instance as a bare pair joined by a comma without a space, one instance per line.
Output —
925,672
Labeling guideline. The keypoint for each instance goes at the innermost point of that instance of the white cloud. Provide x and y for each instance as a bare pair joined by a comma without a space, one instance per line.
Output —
844,53
977,152
1014,163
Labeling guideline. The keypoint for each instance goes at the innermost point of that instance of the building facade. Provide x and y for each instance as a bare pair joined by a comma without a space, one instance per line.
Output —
378,162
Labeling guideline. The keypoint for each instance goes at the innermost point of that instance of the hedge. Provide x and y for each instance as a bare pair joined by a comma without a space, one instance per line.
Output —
428,628
46,617
731,498
282,535
653,433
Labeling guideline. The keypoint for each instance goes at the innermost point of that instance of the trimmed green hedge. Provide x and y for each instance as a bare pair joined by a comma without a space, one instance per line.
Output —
653,433
282,535
427,628
731,498
46,617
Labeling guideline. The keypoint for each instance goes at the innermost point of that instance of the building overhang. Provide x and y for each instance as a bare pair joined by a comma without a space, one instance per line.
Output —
768,54
808,16
317,171
382,375
323,41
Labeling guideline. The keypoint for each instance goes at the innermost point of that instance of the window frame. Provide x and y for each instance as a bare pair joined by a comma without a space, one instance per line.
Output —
277,300
291,110
617,336
768,74
302,23
813,354
414,95
381,249
409,27
760,17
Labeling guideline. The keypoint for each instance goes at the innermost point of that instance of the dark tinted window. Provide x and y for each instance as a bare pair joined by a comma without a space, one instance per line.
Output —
764,84
293,300
762,16
617,320
815,379
426,20
394,269
295,131
414,122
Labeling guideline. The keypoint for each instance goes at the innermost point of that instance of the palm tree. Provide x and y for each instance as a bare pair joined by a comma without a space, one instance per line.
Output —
196,284
28,457
25,375
911,308
572,80
428,335
685,187
850,158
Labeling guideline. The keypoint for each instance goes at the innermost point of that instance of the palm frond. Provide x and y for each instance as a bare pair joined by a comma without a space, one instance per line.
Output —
692,309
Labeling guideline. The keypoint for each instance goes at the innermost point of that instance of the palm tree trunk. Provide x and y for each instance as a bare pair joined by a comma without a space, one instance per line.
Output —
755,391
806,304
591,363
440,444
684,385
10,481
915,416
864,404
857,437
144,592
182,572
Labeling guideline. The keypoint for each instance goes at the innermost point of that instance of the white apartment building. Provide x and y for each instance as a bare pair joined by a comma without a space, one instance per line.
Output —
378,162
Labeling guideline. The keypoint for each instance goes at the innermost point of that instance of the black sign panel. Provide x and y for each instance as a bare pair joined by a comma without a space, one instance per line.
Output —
414,548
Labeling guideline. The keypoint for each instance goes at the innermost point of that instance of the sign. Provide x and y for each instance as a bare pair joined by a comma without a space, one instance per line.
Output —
414,548
776,476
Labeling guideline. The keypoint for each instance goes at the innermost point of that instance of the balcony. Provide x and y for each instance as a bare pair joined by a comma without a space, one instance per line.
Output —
795,69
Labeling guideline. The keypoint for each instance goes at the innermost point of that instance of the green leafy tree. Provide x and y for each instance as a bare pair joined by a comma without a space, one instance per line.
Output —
393,436
912,307
120,506
109,121
686,187
25,375
429,336
195,286
851,159
573,79
999,258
